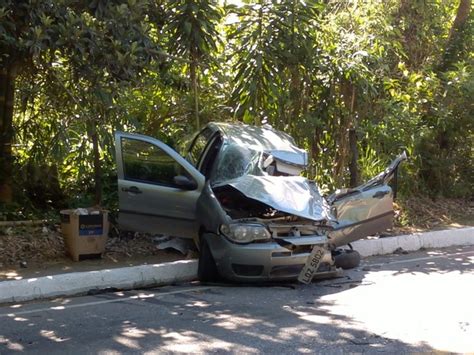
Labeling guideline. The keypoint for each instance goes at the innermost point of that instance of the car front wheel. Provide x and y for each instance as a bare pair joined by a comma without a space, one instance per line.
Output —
207,269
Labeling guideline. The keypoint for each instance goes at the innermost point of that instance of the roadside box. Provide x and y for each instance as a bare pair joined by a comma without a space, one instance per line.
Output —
84,231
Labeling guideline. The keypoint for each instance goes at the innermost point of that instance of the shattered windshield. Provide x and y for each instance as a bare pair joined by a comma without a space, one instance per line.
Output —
235,161
258,151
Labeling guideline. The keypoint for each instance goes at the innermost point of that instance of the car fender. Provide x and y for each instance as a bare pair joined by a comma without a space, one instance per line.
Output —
209,212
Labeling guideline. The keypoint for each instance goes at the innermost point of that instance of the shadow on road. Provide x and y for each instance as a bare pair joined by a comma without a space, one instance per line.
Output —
223,319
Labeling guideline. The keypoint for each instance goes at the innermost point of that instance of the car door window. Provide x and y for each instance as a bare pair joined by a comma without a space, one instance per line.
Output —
145,162
198,146
210,153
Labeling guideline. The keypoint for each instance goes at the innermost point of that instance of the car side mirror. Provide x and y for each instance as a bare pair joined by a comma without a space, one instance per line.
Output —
185,183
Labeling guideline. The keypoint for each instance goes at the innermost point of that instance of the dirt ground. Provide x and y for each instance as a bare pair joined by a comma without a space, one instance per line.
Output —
27,251
418,214
35,251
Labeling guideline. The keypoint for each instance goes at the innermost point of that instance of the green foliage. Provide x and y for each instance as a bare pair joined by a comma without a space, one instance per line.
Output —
73,59
192,28
315,69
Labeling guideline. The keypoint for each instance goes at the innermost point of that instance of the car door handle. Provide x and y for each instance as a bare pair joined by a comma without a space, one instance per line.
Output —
132,189
380,194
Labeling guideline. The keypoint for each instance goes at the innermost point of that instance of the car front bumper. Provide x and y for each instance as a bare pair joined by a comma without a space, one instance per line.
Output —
263,261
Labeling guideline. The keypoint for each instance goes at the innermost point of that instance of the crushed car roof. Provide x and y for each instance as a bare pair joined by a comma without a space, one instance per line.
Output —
263,138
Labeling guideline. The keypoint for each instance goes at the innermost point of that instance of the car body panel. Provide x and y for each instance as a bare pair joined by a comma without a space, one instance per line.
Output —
294,195
259,261
262,138
366,209
156,208
361,214
210,212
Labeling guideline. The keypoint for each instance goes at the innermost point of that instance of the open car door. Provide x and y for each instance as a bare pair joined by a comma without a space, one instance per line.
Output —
157,188
364,210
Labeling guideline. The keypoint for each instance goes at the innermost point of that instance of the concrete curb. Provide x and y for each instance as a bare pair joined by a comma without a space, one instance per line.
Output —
126,278
77,283
416,241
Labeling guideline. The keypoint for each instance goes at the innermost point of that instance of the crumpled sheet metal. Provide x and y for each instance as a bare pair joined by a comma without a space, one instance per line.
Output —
183,245
295,156
294,195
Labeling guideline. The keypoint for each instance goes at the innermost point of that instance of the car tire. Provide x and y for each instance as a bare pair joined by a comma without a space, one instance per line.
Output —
207,269
346,259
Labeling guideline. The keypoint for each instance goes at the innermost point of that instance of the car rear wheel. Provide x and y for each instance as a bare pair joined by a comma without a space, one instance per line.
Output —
207,269
346,259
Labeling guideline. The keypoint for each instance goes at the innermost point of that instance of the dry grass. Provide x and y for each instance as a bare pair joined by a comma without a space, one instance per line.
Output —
29,244
39,244
416,214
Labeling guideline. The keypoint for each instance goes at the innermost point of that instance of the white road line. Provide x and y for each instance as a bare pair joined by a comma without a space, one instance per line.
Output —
420,259
135,297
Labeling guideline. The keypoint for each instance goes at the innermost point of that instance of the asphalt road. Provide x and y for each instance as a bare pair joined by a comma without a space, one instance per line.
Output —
403,303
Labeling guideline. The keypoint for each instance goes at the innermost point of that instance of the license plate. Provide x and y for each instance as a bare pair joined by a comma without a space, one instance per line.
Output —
312,264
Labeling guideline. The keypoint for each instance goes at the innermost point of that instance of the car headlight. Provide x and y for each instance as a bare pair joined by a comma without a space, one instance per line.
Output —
245,233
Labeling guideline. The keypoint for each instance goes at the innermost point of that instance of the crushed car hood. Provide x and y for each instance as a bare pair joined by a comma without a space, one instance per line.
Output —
294,195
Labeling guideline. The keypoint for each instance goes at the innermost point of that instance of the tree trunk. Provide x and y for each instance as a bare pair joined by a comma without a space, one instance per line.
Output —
194,89
411,14
461,18
342,144
7,96
353,165
354,155
455,35
296,96
315,151
347,154
97,166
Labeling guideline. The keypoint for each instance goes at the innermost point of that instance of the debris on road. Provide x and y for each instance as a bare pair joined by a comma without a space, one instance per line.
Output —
182,245
400,251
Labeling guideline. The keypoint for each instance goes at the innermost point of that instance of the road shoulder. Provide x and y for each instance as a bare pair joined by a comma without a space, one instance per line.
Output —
125,278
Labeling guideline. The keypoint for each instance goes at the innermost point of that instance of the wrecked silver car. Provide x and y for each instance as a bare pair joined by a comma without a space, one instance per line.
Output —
237,192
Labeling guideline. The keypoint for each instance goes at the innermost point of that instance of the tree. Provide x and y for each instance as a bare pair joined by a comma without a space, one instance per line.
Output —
348,80
192,28
457,34
447,143
106,39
